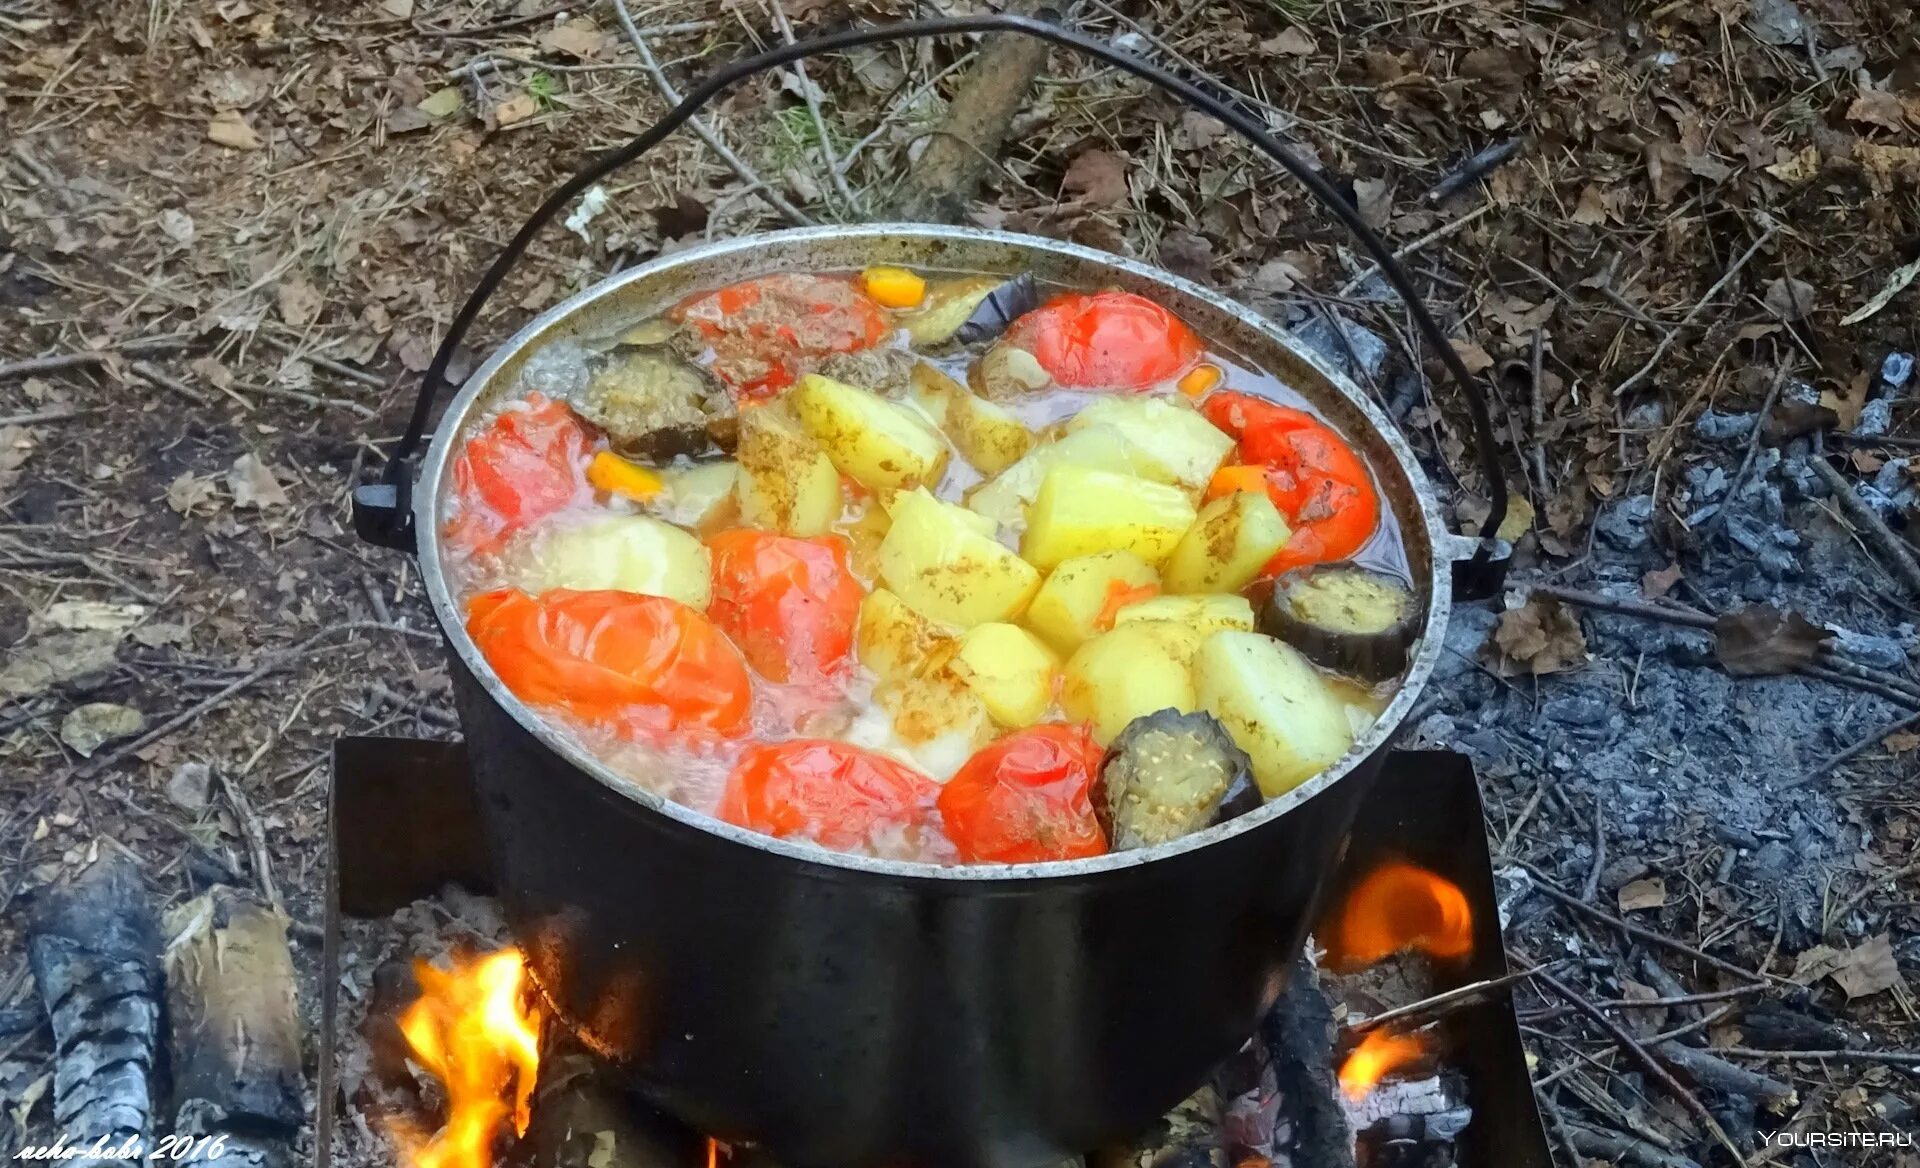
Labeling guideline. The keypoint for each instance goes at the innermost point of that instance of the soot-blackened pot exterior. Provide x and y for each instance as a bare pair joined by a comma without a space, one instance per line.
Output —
853,1019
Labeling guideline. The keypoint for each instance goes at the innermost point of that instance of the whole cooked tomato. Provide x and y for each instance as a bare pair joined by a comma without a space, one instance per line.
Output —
1316,480
829,792
790,604
529,463
765,333
1106,340
1026,798
642,664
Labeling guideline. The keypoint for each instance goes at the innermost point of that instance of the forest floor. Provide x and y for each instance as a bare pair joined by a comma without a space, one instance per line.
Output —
232,232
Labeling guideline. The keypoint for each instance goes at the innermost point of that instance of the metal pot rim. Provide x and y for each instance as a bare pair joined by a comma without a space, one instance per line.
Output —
434,471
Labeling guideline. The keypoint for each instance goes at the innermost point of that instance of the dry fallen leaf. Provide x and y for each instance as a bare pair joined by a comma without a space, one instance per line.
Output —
228,128
1667,171
442,103
1789,299
80,615
1373,198
1186,254
516,109
1877,107
1868,968
1098,177
1541,636
1659,582
1796,167
299,302
1896,283
1643,894
1591,211
576,38
189,492
398,9
87,728
55,658
1900,742
1475,358
1294,42
1760,640
253,484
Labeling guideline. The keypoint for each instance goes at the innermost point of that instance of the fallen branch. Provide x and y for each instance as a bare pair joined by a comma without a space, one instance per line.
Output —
1414,246
1739,483
1721,1075
1617,1147
1439,1005
1897,1058
371,380
147,371
255,836
700,126
1474,169
1666,342
1869,525
38,417
948,173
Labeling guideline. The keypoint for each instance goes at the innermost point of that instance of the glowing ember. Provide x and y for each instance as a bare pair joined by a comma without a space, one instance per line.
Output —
1399,906
474,1030
1379,1054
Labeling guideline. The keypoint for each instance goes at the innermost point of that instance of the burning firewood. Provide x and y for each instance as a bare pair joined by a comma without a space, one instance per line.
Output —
235,1029
583,1119
94,948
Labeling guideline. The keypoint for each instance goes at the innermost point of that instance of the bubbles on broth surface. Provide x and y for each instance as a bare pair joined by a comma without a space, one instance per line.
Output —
696,776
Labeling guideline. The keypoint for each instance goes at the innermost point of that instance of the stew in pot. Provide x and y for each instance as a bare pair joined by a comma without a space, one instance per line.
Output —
949,568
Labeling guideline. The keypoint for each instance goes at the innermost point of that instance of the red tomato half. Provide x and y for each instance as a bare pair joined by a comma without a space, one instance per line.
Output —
790,604
829,792
765,333
1106,340
1309,472
528,464
644,664
1026,798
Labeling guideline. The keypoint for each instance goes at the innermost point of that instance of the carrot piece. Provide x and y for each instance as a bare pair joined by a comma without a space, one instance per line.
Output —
1230,480
894,287
1120,594
615,475
1198,380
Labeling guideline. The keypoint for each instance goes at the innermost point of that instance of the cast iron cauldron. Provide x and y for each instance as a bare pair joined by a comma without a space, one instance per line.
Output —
856,1013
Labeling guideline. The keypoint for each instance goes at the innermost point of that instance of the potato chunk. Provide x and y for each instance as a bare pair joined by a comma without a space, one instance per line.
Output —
1224,550
944,563
895,641
1203,614
1174,435
1280,711
1010,669
1080,511
1081,597
787,483
1003,498
1135,669
626,553
987,436
874,442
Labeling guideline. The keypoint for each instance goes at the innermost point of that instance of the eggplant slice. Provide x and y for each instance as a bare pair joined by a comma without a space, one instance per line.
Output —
1344,617
971,309
655,405
1168,775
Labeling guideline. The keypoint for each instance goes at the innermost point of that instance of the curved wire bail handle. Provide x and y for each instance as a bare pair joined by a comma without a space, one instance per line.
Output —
383,513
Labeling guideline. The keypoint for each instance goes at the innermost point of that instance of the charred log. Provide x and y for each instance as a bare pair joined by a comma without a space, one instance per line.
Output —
235,1040
1301,1036
94,948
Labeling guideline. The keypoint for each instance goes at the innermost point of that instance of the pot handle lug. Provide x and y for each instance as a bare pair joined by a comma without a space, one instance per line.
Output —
391,521
383,511
1479,565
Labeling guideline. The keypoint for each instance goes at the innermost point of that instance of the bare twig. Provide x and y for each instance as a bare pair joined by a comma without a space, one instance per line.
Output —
256,837
700,126
1439,1004
273,664
318,361
1894,877
1415,246
1666,342
1739,483
57,414
1545,883
1872,739
1474,169
1640,1054
1536,407
1870,526
31,365
147,371
1899,1058
827,157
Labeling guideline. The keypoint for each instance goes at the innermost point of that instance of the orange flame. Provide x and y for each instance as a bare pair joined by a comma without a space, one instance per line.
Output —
473,1029
1379,1054
1399,906
713,1152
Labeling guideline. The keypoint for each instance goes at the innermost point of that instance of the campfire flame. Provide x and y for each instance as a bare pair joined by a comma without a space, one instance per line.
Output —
1379,1054
1399,906
474,1030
